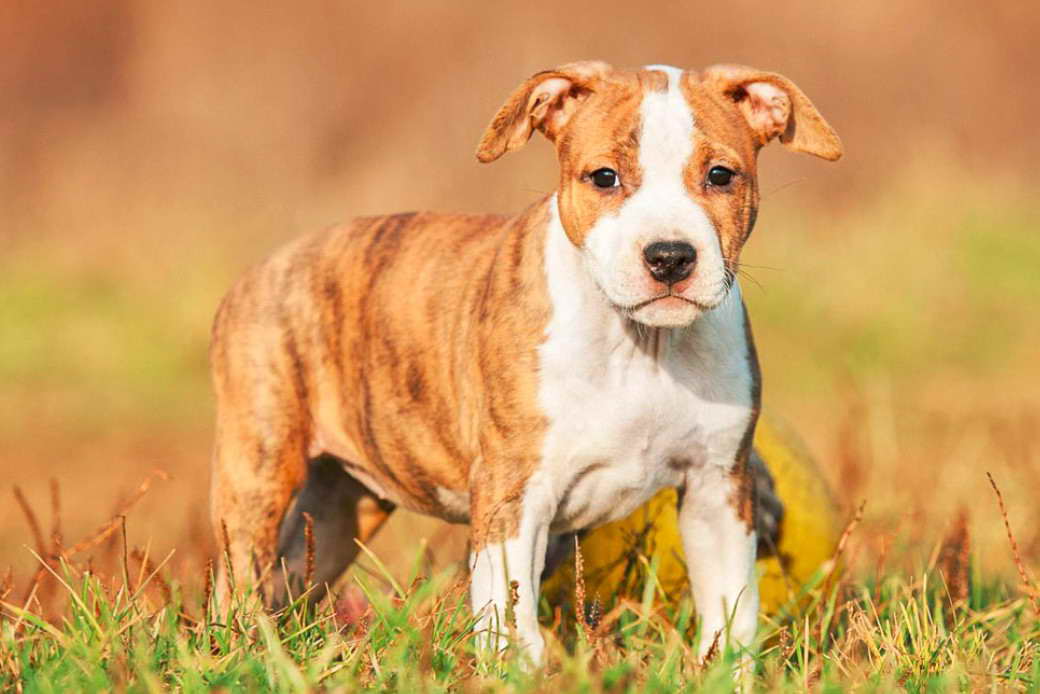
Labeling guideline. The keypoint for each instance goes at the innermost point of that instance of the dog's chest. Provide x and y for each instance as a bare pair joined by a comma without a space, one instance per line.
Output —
631,413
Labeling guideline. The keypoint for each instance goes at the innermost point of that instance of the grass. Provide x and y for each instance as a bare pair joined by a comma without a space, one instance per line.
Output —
137,632
115,619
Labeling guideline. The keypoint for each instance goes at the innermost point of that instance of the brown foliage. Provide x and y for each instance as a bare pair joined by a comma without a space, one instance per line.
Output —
954,559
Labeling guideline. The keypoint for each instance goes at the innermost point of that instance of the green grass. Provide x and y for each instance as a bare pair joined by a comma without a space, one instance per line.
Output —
900,633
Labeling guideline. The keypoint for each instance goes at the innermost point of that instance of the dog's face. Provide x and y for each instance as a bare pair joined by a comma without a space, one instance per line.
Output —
658,182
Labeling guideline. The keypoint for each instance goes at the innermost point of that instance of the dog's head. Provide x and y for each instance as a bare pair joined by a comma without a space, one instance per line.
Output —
658,185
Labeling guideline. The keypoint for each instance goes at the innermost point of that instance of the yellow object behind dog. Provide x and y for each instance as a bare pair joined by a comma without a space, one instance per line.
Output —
617,556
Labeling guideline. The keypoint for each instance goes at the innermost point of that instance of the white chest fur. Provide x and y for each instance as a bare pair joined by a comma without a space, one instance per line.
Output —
631,409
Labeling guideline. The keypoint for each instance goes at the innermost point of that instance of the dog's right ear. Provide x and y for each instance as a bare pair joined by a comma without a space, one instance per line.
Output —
544,102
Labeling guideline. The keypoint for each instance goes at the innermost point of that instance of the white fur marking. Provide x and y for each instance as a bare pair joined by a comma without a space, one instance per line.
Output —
661,210
633,409
720,559
624,401
497,565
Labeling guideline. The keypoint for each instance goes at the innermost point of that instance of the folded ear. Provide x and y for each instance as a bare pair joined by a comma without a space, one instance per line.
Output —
544,102
775,107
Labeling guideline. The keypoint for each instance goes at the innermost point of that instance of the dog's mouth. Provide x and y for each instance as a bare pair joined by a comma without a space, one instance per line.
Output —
669,296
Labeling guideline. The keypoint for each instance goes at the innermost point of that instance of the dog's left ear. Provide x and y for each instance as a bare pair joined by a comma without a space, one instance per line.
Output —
775,107
545,102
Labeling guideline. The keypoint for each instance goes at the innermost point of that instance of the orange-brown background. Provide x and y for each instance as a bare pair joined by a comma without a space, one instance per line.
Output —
150,150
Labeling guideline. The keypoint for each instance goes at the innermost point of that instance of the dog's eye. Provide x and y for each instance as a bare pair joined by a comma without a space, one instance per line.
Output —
605,178
720,176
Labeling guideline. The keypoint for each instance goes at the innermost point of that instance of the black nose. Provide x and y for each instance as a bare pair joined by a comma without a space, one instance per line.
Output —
670,261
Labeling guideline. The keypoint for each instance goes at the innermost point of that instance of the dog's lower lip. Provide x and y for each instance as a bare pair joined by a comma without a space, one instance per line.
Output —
641,304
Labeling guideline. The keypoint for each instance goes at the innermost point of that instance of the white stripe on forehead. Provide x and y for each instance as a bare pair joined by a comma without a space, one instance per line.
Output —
661,208
666,136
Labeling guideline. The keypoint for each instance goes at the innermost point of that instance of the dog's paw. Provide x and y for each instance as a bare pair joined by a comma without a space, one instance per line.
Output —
770,509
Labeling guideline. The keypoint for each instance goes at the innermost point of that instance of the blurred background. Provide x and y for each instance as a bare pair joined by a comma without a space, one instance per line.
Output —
150,151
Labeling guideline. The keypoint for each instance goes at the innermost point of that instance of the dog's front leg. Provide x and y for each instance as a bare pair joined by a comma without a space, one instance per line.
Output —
506,574
716,519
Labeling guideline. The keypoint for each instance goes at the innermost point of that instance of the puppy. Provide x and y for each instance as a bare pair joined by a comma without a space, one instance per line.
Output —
530,375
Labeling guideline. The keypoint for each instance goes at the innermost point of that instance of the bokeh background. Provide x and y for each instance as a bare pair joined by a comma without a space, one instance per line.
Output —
150,151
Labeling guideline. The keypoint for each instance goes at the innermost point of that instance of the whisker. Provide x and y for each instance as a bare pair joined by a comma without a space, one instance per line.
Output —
730,277
744,273
761,267
783,187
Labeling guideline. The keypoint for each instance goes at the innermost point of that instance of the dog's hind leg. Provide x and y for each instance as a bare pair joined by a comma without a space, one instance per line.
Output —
261,442
258,462
342,510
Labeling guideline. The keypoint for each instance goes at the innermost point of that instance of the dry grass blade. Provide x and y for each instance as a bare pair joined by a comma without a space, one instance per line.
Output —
56,536
30,517
106,530
514,598
152,574
579,590
126,561
954,557
141,490
847,532
308,537
607,621
207,591
41,548
830,566
1030,589
34,583
595,615
8,583
99,536
227,552
713,650
785,644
